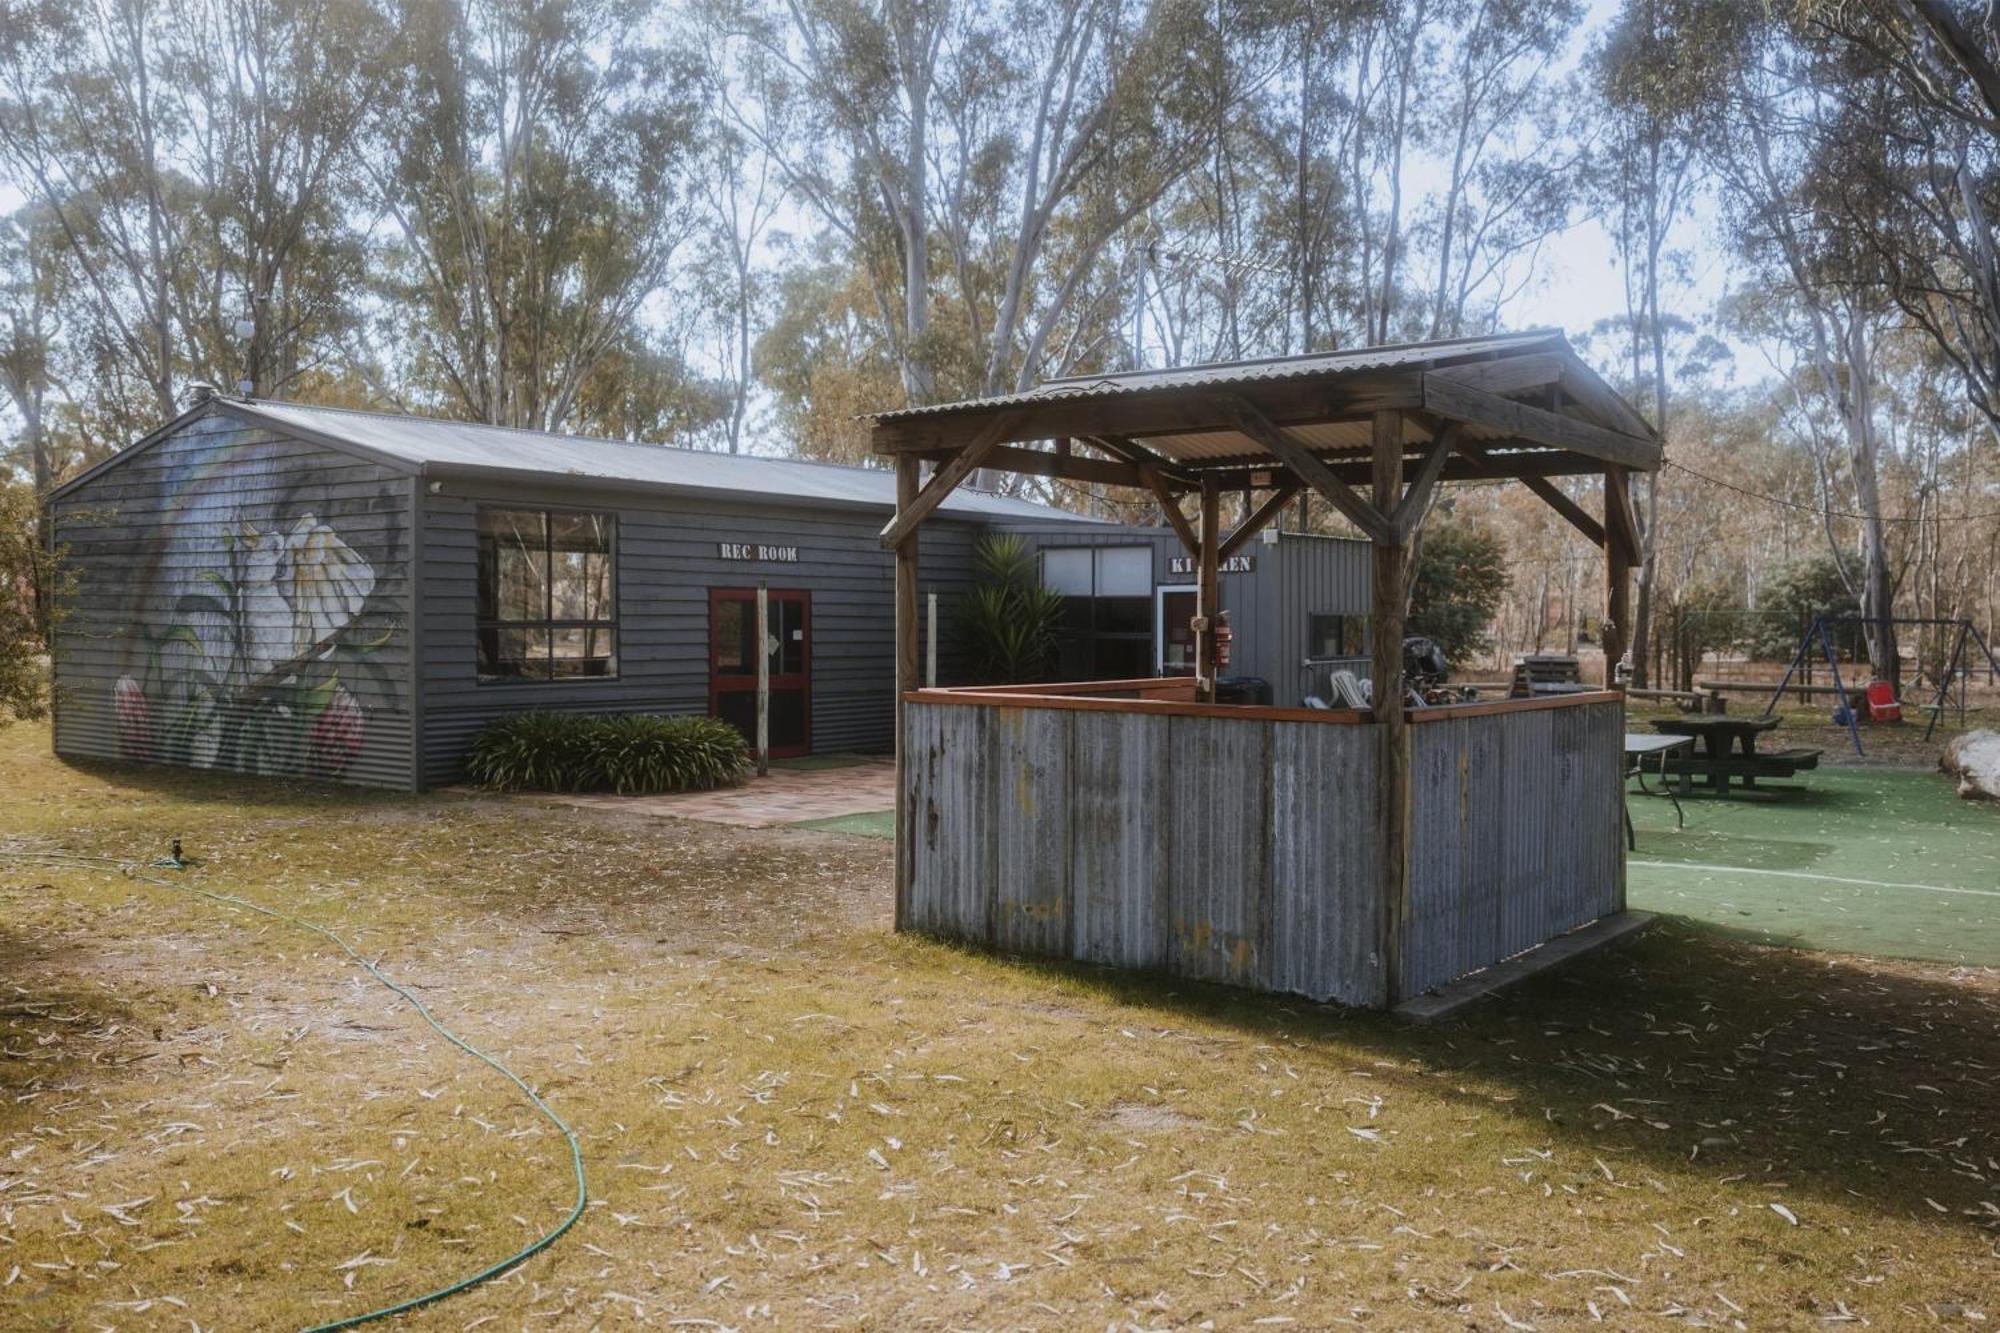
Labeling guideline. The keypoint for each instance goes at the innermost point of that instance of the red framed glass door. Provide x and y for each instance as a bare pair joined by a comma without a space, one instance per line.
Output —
732,665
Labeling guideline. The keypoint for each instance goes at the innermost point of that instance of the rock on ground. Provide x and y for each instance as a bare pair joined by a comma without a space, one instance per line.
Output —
1974,759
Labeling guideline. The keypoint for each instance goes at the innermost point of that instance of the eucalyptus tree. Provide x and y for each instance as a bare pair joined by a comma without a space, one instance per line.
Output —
196,162
1766,110
1510,132
980,163
1913,158
31,277
532,164
1645,180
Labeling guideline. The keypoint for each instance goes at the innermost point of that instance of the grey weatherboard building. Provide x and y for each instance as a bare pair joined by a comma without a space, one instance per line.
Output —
271,588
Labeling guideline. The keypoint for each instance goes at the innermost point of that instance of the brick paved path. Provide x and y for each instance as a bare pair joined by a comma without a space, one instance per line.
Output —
787,796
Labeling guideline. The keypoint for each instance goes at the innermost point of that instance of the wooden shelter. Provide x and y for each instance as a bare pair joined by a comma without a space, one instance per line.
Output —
1367,857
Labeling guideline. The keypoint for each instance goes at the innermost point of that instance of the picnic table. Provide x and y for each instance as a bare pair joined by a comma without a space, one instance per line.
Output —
1729,753
1640,747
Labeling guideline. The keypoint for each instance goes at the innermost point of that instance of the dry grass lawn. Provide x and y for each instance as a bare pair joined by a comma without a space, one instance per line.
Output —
793,1118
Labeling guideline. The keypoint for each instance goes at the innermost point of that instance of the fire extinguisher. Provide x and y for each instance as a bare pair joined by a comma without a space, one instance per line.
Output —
1223,638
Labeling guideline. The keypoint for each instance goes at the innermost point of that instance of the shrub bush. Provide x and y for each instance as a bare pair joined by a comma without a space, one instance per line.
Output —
632,754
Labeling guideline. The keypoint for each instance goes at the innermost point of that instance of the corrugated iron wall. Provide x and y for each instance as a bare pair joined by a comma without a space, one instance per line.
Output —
1237,851
241,602
1246,851
1516,835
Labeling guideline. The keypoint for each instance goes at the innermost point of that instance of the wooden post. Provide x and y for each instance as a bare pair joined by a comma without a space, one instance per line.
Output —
1207,590
930,641
763,679
1618,578
906,671
1386,639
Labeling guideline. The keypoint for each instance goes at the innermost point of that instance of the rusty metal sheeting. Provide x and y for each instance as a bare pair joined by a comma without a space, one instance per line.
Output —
1516,836
1246,851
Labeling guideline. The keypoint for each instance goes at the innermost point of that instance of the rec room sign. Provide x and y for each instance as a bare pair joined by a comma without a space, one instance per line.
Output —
770,555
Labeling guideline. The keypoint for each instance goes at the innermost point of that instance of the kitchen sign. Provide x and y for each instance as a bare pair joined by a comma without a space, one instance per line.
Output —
1235,564
770,555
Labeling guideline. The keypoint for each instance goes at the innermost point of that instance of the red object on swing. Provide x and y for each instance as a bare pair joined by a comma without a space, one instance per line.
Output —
1882,705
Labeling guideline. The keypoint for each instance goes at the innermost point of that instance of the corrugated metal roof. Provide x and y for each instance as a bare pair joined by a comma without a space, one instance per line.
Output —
1215,374
435,446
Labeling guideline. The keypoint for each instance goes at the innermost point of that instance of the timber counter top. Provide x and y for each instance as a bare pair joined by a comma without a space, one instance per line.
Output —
1173,696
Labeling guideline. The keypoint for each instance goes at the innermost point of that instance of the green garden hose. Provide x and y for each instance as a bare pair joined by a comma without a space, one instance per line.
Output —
131,871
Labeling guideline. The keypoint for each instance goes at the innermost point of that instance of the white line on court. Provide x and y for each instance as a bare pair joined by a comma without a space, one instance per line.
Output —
1801,874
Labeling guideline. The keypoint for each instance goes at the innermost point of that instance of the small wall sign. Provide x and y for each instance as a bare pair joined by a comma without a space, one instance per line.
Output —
1235,564
770,555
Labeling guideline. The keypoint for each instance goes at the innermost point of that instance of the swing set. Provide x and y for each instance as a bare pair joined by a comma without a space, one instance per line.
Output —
1819,631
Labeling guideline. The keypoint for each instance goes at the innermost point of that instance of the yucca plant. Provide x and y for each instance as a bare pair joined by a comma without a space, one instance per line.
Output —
1006,626
628,753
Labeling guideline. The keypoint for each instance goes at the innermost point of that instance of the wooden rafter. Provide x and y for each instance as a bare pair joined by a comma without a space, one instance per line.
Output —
1508,374
1606,407
946,480
1416,500
1622,519
1260,518
1308,468
1578,517
1449,398
1072,467
1165,412
1131,451
1170,509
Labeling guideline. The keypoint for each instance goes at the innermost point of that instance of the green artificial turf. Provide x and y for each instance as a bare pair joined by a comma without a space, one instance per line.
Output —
868,824
1888,862
1931,863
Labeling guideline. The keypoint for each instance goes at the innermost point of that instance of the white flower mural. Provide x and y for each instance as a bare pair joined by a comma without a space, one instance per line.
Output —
248,674
301,587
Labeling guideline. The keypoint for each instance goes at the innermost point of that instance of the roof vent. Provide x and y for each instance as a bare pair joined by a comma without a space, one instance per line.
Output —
202,391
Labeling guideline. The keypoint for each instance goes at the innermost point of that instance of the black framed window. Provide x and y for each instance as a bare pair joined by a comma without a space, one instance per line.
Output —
1107,625
548,607
1336,636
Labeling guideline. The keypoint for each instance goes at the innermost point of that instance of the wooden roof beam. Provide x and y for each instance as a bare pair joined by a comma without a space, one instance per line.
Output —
1168,411
1170,509
1070,467
1416,500
1603,406
1308,468
1449,398
1239,475
1131,451
1622,520
946,480
1579,517
1508,374
1273,505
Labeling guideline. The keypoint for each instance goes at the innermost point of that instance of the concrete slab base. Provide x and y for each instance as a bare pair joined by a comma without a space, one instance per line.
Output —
1448,1000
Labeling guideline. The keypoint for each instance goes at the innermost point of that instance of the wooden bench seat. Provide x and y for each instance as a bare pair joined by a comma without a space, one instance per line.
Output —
1776,764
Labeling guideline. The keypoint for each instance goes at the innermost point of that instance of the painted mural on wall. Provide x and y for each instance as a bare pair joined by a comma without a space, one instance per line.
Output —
253,641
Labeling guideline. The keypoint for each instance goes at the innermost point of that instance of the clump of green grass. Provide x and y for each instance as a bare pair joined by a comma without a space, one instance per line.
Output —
632,754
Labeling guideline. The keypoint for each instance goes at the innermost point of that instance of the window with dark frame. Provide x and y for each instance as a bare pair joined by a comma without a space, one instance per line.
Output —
547,605
1330,635
1107,625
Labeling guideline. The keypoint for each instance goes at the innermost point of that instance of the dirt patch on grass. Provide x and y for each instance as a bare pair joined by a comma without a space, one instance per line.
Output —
1149,1118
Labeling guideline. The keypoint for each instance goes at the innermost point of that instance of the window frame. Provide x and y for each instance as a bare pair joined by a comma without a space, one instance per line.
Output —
1347,623
481,624
1091,638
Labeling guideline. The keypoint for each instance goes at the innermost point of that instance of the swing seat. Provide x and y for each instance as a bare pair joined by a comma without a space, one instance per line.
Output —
1882,704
